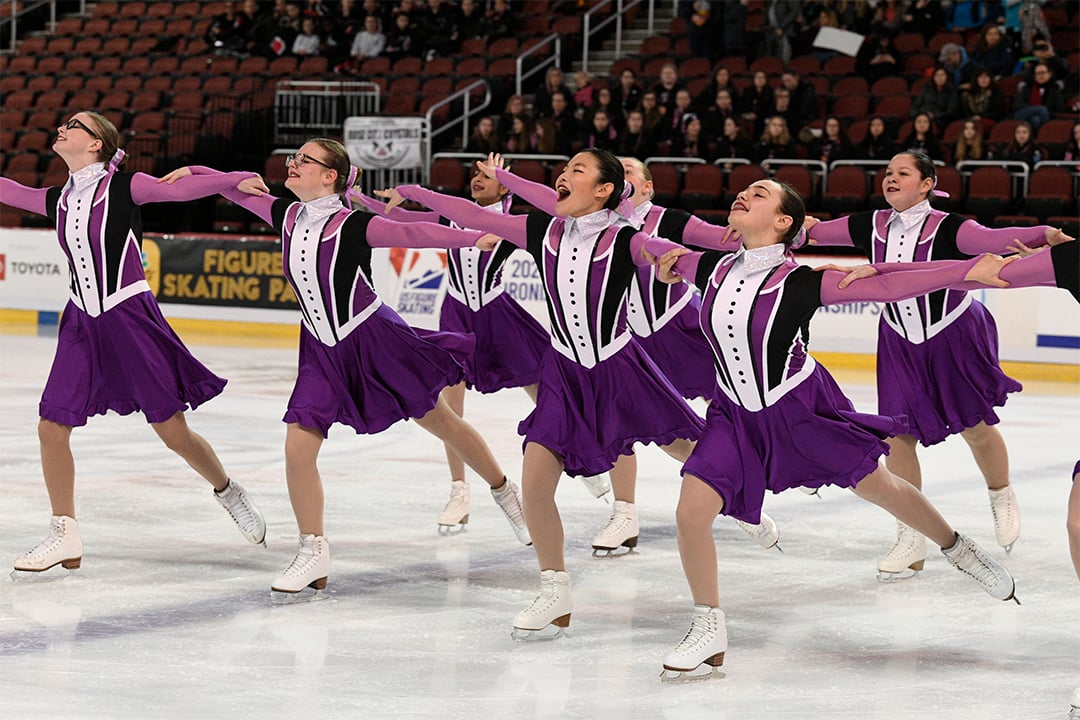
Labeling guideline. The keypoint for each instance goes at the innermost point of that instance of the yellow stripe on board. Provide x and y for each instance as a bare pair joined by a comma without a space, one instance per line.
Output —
1024,371
235,333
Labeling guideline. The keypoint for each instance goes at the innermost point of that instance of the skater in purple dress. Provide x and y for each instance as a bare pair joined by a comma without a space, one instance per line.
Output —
937,357
599,394
360,364
115,351
662,316
778,420
509,341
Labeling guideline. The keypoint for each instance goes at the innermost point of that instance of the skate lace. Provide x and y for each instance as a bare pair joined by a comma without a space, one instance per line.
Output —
700,628
906,543
236,504
305,558
1001,507
543,602
507,501
616,523
49,544
458,498
754,531
971,563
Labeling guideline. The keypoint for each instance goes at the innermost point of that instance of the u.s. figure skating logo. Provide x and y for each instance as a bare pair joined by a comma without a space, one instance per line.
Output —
421,284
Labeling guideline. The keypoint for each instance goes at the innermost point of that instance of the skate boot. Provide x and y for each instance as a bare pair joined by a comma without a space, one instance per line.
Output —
598,485
1074,709
455,515
549,615
243,512
704,645
972,560
1006,516
306,574
906,556
63,547
509,500
764,533
621,530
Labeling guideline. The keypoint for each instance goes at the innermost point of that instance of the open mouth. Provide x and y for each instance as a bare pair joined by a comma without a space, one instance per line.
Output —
563,192
738,206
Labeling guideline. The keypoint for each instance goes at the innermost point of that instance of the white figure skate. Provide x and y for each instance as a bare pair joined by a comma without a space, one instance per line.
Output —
1074,706
1006,513
598,485
549,615
814,491
703,647
455,515
247,517
509,500
305,577
972,560
621,530
906,556
62,547
764,533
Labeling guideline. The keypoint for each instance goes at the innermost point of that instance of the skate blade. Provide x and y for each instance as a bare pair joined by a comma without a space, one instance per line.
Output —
621,551
56,573
698,674
551,632
307,595
446,530
895,577
1008,548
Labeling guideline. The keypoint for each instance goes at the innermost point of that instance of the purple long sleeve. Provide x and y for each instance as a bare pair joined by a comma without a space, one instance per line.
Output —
536,194
25,198
382,232
398,214
895,286
468,214
974,239
685,266
831,232
146,188
260,205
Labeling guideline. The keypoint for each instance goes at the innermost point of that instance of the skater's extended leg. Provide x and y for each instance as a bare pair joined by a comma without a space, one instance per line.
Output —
193,448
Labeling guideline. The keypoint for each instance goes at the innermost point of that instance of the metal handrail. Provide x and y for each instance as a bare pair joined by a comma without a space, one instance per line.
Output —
621,10
27,8
466,112
511,156
675,160
1023,173
555,59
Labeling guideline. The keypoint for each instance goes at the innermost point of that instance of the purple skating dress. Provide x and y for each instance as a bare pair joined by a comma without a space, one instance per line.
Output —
360,364
598,392
937,357
509,341
115,351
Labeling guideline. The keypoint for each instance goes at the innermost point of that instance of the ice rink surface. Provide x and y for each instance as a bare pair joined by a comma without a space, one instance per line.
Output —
170,614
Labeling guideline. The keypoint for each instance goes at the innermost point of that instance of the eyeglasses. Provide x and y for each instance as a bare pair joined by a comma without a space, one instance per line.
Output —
299,159
74,123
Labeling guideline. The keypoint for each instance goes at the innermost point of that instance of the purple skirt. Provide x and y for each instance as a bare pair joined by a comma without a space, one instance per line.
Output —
509,342
811,437
681,352
591,416
947,384
127,359
382,372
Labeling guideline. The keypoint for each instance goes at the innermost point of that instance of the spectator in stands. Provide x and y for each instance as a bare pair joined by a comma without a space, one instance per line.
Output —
781,27
1023,147
877,58
674,120
924,17
1043,52
992,51
721,80
603,134
1028,23
833,143
223,34
602,101
938,99
923,138
983,100
824,17
969,146
776,142
401,41
499,21
636,140
668,87
308,42
650,110
733,143
691,142
545,138
562,115
369,42
757,102
380,10
336,39
1072,148
404,7
515,105
803,99
285,21
877,145
256,29
964,15
583,92
520,140
782,107
714,117
956,63
702,25
553,83
438,24
1038,99
471,22
626,95
483,139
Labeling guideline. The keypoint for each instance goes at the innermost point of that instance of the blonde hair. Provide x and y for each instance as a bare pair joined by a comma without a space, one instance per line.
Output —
107,134
338,160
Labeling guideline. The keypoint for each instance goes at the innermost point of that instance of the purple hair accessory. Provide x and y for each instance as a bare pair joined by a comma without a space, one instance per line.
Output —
353,172
626,208
117,158
937,193
799,240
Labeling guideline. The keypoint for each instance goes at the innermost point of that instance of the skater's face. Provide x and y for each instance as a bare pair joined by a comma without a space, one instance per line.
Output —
903,185
486,191
79,134
756,214
310,176
579,189
634,171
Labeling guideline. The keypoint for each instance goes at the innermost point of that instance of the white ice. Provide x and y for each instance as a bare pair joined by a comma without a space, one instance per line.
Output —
170,614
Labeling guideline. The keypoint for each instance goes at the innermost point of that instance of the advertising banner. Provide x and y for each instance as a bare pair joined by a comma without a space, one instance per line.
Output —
381,143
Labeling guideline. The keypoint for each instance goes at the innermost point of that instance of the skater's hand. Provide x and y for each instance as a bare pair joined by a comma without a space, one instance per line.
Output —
808,223
393,198
987,270
854,272
253,186
665,265
731,235
488,241
1055,236
175,175
494,162
1023,250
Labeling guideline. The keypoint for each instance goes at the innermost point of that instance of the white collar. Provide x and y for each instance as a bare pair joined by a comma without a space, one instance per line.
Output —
593,224
89,175
762,258
912,216
495,207
643,210
320,208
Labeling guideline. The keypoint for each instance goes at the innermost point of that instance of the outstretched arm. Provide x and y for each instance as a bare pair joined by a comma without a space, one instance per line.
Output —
388,233
397,214
985,271
828,232
147,189
974,239
536,194
468,214
25,198
675,262
699,233
260,205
